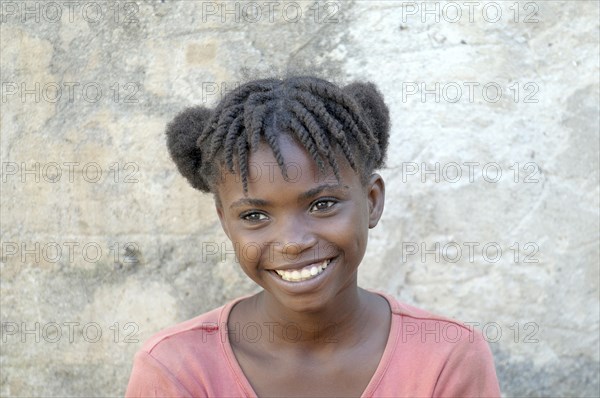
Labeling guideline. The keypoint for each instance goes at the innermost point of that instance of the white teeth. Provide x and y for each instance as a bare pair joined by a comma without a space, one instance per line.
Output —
303,274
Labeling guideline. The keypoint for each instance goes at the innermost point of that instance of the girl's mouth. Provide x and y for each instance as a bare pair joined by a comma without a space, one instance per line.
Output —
303,274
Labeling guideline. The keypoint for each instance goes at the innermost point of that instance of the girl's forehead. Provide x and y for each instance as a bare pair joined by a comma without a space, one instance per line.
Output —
302,173
262,164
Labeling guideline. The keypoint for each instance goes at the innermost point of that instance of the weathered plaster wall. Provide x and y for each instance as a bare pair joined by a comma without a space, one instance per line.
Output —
101,235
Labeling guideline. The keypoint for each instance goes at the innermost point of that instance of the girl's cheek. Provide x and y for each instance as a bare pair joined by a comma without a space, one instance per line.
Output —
249,252
343,223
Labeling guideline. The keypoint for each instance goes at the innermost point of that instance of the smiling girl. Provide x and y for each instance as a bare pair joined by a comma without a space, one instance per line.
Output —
291,164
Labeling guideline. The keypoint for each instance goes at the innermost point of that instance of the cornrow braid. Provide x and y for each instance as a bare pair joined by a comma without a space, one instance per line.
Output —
317,133
227,118
271,137
239,94
350,107
251,103
325,119
257,124
236,97
318,109
242,150
233,133
307,141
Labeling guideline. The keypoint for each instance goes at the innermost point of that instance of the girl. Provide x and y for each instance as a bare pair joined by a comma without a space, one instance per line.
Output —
291,164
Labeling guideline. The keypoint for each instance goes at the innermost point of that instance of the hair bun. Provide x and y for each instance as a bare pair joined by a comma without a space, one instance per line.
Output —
182,133
377,113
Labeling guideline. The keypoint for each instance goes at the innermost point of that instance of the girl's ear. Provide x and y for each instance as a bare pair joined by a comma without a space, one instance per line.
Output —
376,198
222,219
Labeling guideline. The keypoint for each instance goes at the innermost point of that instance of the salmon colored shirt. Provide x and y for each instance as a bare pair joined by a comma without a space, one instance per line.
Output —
425,356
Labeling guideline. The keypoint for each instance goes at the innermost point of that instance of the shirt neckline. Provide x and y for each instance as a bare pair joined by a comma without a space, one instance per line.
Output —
243,381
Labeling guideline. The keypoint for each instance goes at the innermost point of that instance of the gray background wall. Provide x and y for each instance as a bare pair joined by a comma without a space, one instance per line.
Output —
103,243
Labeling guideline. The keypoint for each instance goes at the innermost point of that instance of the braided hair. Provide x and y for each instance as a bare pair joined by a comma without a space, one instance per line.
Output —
320,116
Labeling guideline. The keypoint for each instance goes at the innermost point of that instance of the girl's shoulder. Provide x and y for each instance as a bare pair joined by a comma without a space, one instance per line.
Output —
200,328
435,356
174,360
417,324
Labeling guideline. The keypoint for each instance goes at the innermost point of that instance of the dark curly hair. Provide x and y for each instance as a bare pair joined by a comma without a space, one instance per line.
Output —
319,115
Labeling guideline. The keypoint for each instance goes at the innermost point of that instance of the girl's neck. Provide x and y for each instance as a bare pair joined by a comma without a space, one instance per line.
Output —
340,322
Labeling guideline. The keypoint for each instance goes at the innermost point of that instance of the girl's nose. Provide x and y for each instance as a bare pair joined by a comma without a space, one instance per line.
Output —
294,237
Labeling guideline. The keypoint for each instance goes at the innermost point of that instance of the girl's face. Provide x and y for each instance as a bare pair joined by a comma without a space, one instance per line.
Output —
301,239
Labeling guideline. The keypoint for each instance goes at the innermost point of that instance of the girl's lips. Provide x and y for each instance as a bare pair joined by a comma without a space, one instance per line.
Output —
307,272
304,284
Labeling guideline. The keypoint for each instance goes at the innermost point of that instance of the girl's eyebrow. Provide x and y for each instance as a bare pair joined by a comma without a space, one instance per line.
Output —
249,202
303,196
317,190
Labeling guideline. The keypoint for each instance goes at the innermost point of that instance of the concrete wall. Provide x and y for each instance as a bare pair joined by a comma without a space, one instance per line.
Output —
103,243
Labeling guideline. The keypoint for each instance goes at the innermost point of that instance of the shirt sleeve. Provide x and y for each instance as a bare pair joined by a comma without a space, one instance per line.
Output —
150,378
469,371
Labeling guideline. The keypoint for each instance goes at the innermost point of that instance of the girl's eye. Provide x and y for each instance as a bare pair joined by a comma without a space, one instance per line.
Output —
253,216
323,205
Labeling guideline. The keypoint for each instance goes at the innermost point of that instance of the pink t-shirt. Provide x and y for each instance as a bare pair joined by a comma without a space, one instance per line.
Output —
425,356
